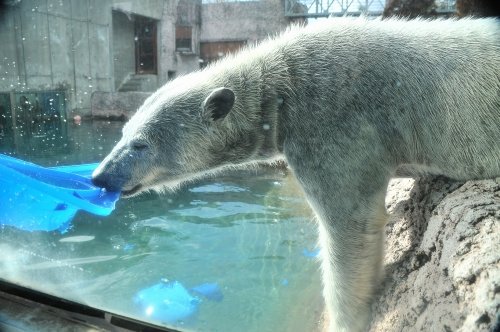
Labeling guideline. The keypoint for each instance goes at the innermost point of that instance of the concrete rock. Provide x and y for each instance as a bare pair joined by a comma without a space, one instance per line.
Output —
116,105
442,257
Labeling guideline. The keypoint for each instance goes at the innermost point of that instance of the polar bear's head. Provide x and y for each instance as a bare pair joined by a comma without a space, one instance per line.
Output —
182,131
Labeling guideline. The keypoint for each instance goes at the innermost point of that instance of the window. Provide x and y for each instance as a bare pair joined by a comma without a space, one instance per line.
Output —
183,38
212,51
145,46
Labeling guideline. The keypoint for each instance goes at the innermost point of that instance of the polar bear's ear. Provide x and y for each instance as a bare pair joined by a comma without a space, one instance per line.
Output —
218,103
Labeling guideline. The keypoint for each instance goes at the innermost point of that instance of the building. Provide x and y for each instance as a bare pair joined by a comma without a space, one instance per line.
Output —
229,25
56,54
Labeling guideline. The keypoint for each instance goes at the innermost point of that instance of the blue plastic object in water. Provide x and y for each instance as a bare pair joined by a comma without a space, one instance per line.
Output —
209,290
170,302
84,170
167,302
36,198
310,253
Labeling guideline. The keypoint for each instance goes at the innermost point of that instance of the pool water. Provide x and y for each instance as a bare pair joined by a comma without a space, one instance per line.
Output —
250,233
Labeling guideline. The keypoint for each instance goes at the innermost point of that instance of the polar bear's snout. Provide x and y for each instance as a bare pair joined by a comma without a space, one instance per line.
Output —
109,177
110,182
116,171
100,179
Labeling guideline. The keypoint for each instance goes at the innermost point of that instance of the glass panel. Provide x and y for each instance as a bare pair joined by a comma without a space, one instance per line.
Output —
234,252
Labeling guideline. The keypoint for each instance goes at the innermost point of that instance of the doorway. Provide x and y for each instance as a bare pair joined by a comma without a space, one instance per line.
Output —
145,46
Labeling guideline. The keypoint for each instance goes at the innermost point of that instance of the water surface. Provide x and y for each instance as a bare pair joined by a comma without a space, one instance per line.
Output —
250,232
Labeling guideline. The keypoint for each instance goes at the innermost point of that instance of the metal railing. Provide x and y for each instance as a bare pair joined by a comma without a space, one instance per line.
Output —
325,8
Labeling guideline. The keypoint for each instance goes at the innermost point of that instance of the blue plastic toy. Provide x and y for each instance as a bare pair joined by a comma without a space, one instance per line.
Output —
170,302
36,198
167,302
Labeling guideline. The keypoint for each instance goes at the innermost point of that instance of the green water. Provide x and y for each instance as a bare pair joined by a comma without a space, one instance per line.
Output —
248,231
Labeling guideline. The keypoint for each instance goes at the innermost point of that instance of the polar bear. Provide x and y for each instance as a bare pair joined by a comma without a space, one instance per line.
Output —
345,103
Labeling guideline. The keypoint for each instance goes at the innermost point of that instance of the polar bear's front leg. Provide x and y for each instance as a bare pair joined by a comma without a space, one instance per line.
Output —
351,259
351,213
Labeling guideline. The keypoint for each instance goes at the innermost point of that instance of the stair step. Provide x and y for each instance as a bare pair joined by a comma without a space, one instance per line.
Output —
135,83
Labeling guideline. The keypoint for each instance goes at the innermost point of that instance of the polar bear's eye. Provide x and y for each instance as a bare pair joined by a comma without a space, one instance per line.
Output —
139,146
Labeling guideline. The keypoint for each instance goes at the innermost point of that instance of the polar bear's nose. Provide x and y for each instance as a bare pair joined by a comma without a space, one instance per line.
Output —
106,181
99,180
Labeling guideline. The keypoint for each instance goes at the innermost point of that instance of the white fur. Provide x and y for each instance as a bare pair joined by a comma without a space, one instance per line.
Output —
346,103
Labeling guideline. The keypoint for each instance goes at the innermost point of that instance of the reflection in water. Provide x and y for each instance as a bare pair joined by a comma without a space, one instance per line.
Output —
220,209
216,188
78,238
86,142
245,232
70,262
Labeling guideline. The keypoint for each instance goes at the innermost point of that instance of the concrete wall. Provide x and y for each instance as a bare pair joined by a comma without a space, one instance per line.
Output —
123,47
248,21
69,45
148,8
116,105
168,59
57,45
10,70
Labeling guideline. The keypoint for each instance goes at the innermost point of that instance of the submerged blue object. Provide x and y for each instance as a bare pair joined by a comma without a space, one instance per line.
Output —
36,198
311,254
209,290
167,302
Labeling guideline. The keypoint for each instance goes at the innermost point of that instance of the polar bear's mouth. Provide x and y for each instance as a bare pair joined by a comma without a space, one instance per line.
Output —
132,192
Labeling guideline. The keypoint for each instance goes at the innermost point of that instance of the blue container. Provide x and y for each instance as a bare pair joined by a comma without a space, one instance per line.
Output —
35,198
